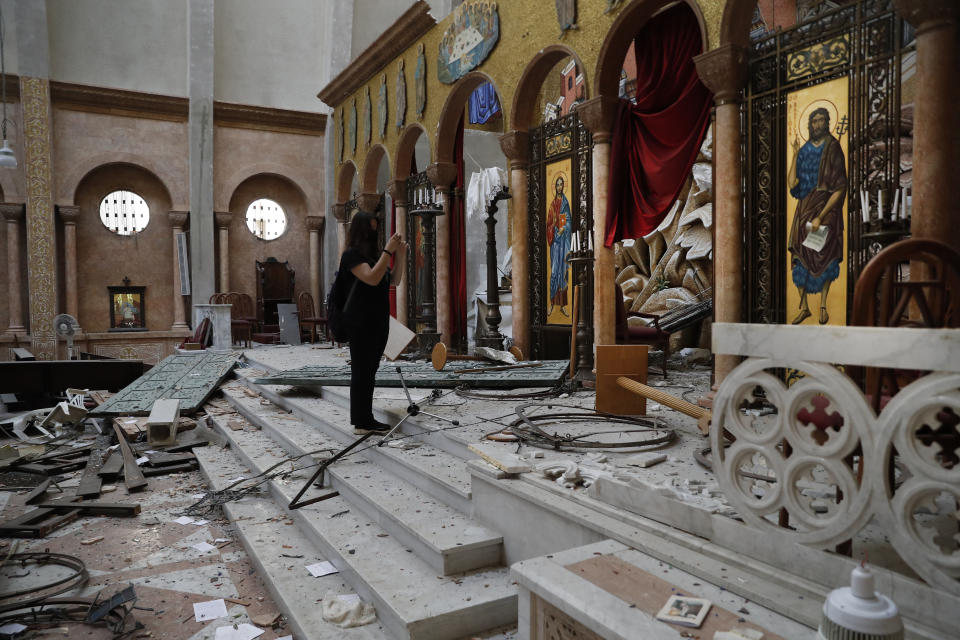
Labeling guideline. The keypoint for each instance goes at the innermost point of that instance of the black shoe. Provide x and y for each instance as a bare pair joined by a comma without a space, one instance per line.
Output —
373,427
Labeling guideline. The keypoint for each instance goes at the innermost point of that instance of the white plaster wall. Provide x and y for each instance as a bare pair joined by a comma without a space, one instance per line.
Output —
371,18
140,46
271,54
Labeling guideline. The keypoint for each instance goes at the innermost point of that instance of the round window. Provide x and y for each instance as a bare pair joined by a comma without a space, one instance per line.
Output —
266,219
124,212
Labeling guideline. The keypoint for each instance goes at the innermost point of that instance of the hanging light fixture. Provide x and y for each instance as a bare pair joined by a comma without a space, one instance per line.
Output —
7,159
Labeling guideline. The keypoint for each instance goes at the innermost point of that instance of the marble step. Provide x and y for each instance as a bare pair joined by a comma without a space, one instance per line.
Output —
386,409
437,472
412,601
449,541
292,587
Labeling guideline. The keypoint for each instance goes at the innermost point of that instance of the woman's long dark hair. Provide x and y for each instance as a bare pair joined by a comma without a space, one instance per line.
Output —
362,236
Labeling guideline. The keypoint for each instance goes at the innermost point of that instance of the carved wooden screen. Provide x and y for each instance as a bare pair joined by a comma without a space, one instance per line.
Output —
867,48
417,185
560,148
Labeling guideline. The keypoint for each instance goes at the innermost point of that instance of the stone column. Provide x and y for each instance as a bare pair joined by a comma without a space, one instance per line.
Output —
70,215
442,175
340,215
177,220
516,147
315,225
936,129
33,60
398,192
597,114
724,72
223,219
13,213
200,55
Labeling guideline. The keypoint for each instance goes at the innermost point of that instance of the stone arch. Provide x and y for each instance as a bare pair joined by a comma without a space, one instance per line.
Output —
67,191
371,167
531,80
735,23
453,109
403,167
348,171
631,19
225,195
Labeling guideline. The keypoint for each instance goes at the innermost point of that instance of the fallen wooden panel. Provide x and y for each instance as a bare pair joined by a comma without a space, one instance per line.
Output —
90,481
37,523
113,509
112,465
423,375
165,459
132,427
174,468
498,456
132,476
39,492
188,378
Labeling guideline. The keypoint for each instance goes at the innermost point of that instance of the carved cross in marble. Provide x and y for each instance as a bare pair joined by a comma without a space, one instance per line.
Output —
820,419
946,436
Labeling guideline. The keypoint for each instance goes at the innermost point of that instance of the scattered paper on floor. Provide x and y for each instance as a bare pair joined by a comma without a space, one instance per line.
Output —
210,610
321,569
242,631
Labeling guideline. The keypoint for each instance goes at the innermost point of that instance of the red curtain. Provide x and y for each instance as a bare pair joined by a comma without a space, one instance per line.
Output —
655,140
458,252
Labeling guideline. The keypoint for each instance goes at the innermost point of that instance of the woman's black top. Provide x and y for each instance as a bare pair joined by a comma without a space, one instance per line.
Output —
370,305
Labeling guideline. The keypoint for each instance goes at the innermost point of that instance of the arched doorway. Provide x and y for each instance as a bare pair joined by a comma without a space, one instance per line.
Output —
413,157
471,123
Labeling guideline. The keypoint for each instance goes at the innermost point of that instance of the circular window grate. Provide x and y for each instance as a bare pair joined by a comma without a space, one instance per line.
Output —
124,213
266,219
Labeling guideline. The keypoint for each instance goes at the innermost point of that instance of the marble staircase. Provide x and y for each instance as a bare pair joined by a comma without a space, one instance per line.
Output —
400,532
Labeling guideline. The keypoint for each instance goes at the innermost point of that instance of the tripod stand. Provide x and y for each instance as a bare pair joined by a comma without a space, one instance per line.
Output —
412,409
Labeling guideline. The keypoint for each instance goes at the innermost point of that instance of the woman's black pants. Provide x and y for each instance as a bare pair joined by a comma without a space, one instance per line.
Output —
366,349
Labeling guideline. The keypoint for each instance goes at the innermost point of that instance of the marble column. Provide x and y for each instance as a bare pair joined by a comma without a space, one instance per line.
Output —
223,219
315,225
398,192
13,214
442,175
69,215
200,58
516,147
724,72
177,220
340,215
597,114
936,129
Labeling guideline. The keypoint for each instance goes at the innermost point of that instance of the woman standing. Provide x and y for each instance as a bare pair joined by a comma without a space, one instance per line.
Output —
367,275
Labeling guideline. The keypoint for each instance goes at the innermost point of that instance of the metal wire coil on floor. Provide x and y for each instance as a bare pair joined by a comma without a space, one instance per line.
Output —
527,428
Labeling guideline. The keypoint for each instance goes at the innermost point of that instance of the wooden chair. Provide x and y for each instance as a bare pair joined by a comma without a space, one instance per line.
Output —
309,319
242,321
911,283
640,335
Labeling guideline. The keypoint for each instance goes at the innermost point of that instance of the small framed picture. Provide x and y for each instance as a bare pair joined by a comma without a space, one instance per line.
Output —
127,308
689,612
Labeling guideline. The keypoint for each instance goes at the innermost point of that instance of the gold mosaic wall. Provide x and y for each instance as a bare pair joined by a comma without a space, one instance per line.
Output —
41,257
525,28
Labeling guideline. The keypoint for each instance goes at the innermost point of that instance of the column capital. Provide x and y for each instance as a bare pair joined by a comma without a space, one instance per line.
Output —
368,201
442,174
178,218
398,191
723,71
339,211
316,223
68,213
928,14
12,211
516,146
223,218
597,115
